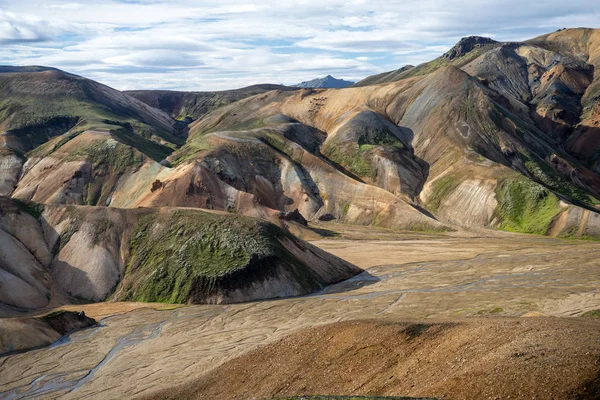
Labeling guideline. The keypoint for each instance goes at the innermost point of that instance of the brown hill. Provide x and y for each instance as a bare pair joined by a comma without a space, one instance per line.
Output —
472,359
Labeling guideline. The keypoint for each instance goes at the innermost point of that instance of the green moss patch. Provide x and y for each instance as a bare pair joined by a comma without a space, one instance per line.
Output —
155,151
351,157
525,206
549,177
186,255
591,314
441,188
34,209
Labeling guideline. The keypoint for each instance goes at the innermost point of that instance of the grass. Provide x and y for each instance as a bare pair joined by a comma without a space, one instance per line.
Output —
34,209
155,151
545,174
441,189
191,150
110,159
439,62
351,157
174,258
45,107
496,310
525,206
591,314
75,217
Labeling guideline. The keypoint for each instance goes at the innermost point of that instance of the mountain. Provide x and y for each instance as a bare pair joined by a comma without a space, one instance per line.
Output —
390,76
328,82
193,105
490,134
69,139
54,254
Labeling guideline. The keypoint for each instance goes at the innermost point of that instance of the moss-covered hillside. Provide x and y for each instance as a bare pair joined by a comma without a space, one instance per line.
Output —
185,256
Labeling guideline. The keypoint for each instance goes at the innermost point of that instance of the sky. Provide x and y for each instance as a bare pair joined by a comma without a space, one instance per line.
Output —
225,44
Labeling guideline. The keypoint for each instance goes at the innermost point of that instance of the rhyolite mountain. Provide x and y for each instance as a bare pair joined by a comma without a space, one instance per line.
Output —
328,82
56,254
488,135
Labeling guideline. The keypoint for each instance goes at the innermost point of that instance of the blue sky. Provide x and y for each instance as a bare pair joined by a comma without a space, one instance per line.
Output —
213,45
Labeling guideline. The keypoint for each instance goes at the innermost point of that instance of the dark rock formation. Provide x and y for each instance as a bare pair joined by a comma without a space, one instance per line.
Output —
467,44
293,216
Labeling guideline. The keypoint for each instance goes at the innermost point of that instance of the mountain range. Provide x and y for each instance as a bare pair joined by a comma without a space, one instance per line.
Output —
489,135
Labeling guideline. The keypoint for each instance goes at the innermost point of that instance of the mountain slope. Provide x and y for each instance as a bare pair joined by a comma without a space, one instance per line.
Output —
582,45
54,254
461,53
463,147
328,82
457,359
482,136
193,105
59,126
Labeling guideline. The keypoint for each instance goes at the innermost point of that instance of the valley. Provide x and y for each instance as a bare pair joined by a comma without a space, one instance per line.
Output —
498,279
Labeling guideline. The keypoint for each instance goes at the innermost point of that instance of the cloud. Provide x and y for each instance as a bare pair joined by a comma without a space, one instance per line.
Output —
154,58
220,44
16,28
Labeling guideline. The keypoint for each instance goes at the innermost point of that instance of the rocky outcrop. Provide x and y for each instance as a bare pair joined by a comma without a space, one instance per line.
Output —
466,45
293,216
20,334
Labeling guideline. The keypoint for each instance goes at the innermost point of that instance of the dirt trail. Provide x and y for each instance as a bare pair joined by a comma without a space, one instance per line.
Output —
431,276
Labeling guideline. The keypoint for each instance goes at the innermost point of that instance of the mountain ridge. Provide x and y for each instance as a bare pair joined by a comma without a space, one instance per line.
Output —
327,82
469,123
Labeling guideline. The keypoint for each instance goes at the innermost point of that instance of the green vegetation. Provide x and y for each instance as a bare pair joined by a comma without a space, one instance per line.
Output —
75,217
51,103
111,154
191,150
351,157
441,188
155,151
549,177
439,62
496,310
591,314
110,159
188,253
40,131
525,206
34,209
346,209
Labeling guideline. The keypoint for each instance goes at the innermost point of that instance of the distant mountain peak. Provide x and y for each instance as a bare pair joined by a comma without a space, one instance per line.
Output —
328,82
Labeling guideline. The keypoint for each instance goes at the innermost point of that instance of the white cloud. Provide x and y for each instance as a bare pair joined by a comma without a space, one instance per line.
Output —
219,44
